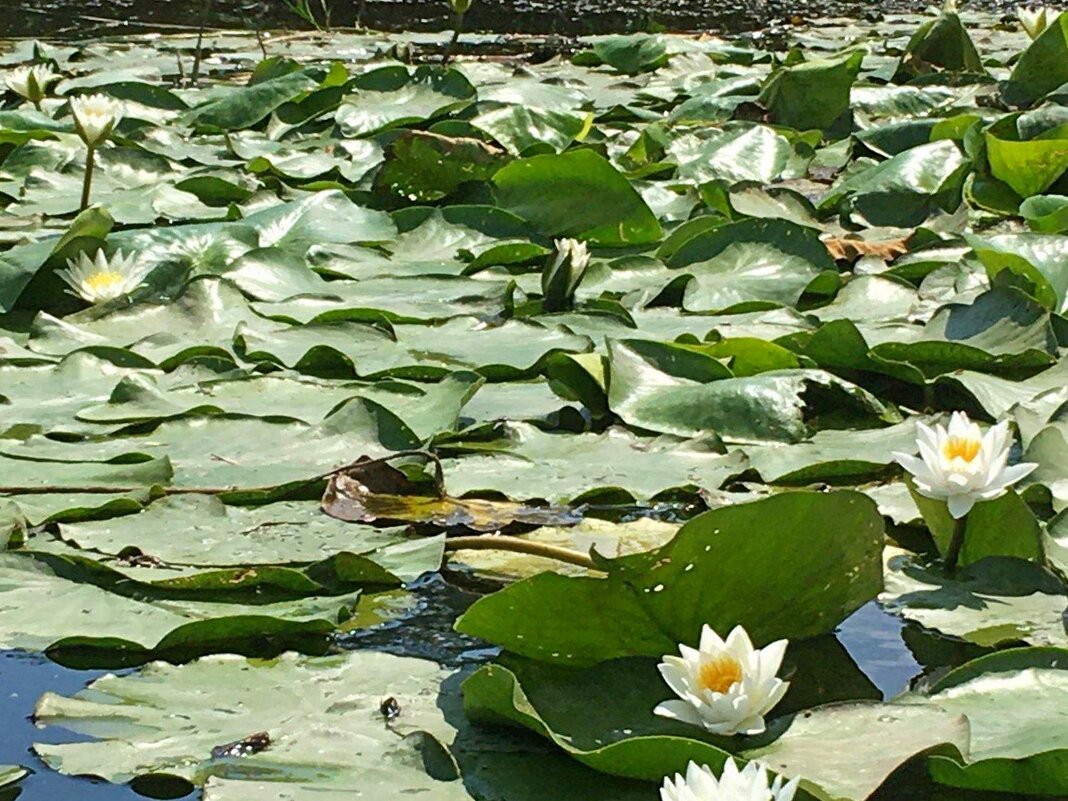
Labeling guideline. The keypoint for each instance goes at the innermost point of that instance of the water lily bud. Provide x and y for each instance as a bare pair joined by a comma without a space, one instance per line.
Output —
95,116
562,275
101,279
726,687
748,784
31,83
460,6
1036,20
961,465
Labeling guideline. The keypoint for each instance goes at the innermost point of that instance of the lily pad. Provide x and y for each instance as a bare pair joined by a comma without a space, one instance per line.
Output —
636,610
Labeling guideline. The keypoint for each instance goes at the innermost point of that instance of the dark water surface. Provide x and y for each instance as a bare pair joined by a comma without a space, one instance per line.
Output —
872,638
87,18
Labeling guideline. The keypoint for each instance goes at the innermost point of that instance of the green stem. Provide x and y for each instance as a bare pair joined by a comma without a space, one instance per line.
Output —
195,76
960,526
90,162
498,542
37,104
457,30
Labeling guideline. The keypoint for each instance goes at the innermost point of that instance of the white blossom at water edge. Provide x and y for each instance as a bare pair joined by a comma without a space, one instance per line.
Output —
578,252
748,784
100,279
31,83
95,116
962,466
1036,20
726,687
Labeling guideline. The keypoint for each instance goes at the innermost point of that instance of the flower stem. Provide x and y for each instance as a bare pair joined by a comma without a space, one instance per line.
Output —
457,30
960,525
90,162
498,542
195,77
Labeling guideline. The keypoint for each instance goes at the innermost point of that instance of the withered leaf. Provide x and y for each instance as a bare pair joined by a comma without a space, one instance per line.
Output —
852,249
373,491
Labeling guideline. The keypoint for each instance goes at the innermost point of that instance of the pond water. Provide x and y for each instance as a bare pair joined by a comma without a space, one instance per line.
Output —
891,654
86,18
873,639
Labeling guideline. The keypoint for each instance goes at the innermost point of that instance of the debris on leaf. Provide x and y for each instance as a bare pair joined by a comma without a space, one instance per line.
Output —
250,745
371,491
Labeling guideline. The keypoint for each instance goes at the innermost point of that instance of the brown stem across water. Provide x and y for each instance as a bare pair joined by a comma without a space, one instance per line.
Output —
499,542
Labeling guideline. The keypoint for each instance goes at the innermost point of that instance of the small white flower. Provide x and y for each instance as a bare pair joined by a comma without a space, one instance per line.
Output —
95,116
748,784
102,279
1036,20
726,687
577,251
31,83
961,465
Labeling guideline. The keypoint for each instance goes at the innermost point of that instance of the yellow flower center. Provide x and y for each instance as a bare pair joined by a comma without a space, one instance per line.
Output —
963,448
719,674
105,283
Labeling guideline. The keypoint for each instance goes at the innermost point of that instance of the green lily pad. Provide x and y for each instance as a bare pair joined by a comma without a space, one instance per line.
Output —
552,192
994,601
1014,714
636,609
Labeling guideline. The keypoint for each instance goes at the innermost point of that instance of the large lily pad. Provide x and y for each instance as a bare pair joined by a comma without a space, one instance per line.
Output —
637,609
329,737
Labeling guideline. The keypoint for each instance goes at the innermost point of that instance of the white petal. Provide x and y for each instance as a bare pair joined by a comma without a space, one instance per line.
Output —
710,640
787,792
677,675
915,466
771,659
960,505
961,426
739,644
1016,472
773,695
679,710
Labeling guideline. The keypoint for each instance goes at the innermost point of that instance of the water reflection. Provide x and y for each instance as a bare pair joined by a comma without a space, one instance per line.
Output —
24,678
88,18
874,639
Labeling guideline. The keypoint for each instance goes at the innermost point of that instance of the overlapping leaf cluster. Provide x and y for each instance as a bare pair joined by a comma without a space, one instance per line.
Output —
795,256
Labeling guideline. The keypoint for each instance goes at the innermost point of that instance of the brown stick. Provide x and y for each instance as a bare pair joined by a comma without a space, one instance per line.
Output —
500,542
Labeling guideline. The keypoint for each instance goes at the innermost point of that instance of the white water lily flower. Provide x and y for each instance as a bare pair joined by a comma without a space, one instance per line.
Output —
724,686
31,83
1036,20
102,279
961,465
95,116
578,252
748,784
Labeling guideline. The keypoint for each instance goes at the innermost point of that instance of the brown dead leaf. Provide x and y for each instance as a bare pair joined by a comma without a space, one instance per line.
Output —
372,491
852,249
